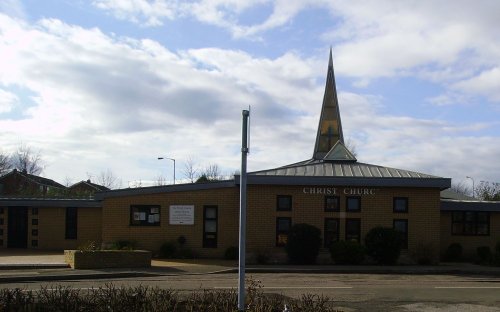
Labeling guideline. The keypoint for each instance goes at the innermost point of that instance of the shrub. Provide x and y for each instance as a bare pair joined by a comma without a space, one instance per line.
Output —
89,246
185,253
424,254
232,253
262,258
347,252
383,244
484,254
167,250
304,241
453,252
123,245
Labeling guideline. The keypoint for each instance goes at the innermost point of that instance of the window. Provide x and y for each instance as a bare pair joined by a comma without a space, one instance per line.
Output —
34,243
284,203
34,232
353,229
1,232
210,226
71,223
331,232
34,210
400,204
470,223
34,221
353,204
401,225
332,203
145,215
283,226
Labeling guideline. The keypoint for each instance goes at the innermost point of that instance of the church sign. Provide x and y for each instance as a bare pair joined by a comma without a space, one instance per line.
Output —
349,191
182,214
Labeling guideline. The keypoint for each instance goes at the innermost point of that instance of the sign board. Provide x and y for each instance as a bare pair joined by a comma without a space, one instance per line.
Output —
181,214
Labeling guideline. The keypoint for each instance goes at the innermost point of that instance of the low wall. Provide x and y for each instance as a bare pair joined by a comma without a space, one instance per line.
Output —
100,259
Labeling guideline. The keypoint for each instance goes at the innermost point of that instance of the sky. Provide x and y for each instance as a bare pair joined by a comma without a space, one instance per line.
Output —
111,85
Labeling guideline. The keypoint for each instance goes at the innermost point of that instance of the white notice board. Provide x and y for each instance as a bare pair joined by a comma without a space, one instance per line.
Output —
181,214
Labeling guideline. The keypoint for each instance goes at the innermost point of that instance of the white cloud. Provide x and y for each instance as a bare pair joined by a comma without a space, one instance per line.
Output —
8,101
487,83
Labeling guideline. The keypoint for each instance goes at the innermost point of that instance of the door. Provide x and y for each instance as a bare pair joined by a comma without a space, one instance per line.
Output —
17,227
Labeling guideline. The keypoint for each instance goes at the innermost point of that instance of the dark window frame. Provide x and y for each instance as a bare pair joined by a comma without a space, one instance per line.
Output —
358,234
208,240
358,198
147,210
71,223
337,199
395,199
279,207
282,232
465,224
326,241
405,238
34,211
34,221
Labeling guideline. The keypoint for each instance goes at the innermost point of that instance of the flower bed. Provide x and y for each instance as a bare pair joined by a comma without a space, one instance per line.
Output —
100,259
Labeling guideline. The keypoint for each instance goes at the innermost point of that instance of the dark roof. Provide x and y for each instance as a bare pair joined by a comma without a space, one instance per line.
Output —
34,178
165,189
48,202
88,183
469,205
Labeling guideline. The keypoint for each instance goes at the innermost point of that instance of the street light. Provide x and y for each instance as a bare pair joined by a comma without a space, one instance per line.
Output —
160,158
473,193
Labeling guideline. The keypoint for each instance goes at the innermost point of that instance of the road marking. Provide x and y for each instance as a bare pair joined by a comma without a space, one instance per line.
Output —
295,287
467,287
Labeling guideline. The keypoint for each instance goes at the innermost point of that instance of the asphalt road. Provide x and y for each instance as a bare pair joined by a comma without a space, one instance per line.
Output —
349,292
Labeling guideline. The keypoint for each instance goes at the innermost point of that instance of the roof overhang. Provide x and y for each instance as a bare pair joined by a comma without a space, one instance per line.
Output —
469,205
441,183
49,202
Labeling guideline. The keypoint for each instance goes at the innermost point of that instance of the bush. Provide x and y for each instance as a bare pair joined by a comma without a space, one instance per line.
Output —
232,253
425,254
122,245
168,250
484,254
347,252
384,244
453,252
185,253
304,241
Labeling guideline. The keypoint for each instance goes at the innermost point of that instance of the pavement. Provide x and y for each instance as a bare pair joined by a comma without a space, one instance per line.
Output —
21,265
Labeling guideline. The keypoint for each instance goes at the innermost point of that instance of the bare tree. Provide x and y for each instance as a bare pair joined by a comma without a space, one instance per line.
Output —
108,179
351,146
489,191
190,172
5,163
160,180
460,188
27,160
68,181
212,172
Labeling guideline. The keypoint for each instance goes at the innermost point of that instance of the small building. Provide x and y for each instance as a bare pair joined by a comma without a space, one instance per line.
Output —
332,190
21,183
85,188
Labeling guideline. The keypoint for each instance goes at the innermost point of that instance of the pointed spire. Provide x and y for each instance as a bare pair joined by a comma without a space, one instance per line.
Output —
330,125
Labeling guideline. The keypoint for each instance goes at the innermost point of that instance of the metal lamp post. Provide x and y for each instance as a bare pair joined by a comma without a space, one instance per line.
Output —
160,158
473,188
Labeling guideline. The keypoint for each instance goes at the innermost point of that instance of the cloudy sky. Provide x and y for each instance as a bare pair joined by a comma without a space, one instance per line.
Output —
100,85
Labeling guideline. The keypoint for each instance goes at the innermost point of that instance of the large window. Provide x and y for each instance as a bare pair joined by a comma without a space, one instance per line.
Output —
353,229
400,204
283,226
332,203
353,204
71,223
145,215
401,225
470,223
210,226
331,233
284,203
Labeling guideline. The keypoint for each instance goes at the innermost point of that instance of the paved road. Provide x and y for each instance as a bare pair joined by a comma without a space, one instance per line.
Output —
350,292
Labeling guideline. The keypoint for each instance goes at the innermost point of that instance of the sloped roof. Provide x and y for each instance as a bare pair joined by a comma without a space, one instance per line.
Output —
34,178
88,183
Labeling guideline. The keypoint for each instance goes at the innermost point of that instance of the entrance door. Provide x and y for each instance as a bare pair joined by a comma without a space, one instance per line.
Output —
17,227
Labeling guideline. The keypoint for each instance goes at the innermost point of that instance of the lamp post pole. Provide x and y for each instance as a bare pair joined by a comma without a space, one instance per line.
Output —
160,158
473,188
